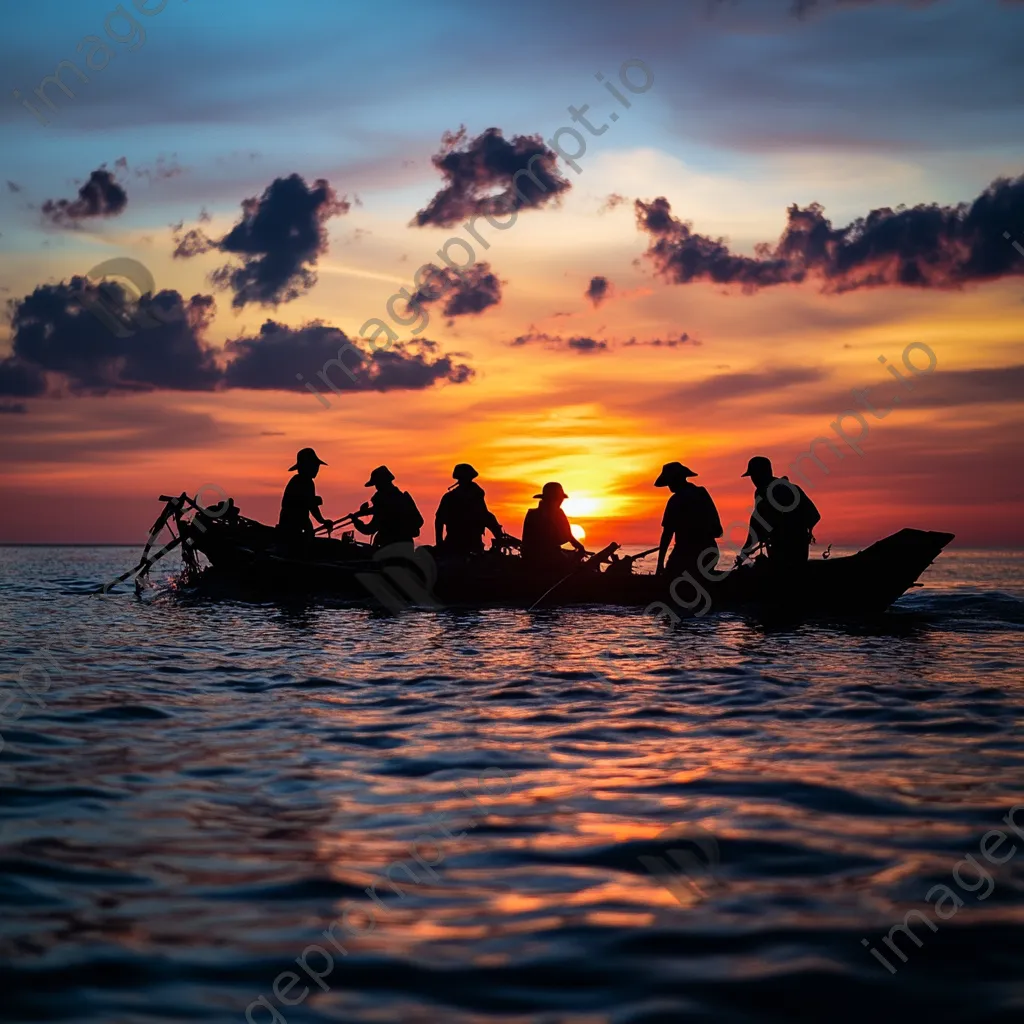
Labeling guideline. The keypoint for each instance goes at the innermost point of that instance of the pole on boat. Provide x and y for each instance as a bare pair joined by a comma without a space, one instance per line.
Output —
592,562
337,522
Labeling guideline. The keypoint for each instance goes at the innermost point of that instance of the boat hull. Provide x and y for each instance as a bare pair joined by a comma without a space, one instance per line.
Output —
863,584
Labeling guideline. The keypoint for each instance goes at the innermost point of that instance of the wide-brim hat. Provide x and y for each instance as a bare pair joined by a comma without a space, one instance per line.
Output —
464,471
305,457
552,490
756,463
379,475
672,471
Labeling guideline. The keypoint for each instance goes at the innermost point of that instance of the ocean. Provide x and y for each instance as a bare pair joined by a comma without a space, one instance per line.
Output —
226,811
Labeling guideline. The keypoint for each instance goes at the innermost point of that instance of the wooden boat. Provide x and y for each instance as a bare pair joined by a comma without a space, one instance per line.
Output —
248,556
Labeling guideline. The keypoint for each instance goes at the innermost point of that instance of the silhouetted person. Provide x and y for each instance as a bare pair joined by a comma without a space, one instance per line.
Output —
783,516
300,500
546,529
462,515
691,518
395,515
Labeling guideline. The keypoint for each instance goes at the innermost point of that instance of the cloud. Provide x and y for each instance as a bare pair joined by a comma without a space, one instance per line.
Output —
729,386
598,290
13,186
683,339
612,200
524,169
20,379
927,246
581,345
943,389
161,169
279,238
269,360
81,338
469,291
13,408
566,343
100,196
53,331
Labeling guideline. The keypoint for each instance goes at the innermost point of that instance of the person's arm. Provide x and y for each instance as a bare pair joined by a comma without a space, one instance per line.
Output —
751,544
491,523
666,539
314,511
357,522
438,529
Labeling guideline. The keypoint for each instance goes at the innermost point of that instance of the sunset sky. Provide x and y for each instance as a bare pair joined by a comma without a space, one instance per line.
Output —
699,347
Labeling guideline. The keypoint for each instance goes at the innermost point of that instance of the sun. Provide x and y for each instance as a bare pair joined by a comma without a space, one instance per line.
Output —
577,531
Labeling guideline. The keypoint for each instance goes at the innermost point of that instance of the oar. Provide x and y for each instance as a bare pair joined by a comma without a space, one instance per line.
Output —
593,559
143,566
643,554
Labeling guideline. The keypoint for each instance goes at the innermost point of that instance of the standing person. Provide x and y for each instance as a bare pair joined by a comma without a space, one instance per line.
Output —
691,518
395,518
463,513
300,500
546,528
783,514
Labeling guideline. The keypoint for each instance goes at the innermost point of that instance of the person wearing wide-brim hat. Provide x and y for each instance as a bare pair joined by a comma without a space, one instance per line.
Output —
690,519
783,519
394,517
462,515
546,528
300,500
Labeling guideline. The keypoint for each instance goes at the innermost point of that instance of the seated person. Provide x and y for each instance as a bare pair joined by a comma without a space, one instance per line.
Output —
300,500
463,515
546,528
395,518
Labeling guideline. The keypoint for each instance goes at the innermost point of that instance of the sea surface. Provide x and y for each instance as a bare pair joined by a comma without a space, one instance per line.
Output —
586,816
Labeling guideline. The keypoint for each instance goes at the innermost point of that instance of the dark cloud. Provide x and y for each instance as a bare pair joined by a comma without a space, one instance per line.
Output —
13,186
100,196
683,339
927,246
465,292
53,330
941,389
13,408
19,379
280,237
577,344
491,174
161,170
612,200
62,347
269,361
193,242
728,386
598,290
